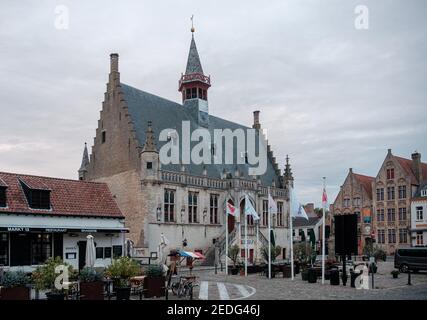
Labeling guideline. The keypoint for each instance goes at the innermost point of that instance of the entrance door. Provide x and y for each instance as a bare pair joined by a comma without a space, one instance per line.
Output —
20,249
231,221
251,255
82,254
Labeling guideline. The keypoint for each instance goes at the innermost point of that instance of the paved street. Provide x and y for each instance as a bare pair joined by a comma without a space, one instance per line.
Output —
258,287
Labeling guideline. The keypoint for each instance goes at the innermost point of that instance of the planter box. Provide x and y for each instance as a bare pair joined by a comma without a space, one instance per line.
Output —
123,293
92,290
154,287
55,296
234,271
304,275
287,273
17,293
312,276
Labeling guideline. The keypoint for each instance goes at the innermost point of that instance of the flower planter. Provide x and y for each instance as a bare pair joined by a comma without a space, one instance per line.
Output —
311,276
16,293
234,271
154,287
92,290
287,273
304,275
55,296
123,293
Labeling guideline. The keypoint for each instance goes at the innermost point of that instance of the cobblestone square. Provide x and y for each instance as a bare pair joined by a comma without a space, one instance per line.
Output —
257,287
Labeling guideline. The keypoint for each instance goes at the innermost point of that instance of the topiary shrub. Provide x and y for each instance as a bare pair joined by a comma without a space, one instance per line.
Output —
90,275
14,279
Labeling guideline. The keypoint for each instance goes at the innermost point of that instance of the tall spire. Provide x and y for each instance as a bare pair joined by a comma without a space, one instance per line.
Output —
150,143
85,164
193,62
287,175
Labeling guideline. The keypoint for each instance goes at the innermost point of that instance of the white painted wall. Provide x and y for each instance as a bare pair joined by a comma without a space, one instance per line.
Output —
418,224
101,240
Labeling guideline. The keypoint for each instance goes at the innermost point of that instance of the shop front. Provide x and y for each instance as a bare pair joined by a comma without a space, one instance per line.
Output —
24,246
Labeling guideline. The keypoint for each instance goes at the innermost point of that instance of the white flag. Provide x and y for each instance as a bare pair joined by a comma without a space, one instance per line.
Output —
249,209
297,210
272,206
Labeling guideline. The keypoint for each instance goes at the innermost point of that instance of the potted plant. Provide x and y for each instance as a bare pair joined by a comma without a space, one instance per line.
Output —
233,254
274,253
395,273
91,284
14,286
44,278
154,281
120,271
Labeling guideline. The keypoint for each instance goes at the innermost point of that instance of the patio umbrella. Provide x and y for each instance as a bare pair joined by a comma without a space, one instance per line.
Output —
90,252
312,237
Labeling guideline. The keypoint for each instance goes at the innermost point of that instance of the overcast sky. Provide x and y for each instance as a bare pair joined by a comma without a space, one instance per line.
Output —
330,95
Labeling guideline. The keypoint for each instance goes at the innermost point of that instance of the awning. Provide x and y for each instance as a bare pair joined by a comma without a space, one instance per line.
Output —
189,254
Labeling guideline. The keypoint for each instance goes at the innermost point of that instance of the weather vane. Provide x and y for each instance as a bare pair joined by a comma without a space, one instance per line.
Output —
192,23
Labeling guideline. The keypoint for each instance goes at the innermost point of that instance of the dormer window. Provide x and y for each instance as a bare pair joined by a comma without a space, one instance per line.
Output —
39,199
38,196
3,200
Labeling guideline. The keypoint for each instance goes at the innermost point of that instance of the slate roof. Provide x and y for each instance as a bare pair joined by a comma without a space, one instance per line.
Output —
301,222
366,182
166,114
417,196
193,62
406,165
68,197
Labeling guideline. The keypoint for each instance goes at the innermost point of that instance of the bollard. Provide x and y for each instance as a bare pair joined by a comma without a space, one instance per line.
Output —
409,277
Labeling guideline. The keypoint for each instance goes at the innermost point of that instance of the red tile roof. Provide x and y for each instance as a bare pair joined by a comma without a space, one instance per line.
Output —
67,197
366,182
406,165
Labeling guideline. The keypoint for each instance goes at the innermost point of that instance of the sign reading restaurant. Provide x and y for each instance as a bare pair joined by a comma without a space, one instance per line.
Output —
42,217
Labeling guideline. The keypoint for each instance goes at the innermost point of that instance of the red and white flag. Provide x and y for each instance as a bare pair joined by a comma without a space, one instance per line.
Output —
231,210
324,198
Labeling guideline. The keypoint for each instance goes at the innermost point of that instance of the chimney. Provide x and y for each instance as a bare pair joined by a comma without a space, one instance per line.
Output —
350,170
309,208
416,166
256,124
114,62
114,71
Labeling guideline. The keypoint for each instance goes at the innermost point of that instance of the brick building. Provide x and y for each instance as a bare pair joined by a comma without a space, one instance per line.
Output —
355,197
185,202
393,188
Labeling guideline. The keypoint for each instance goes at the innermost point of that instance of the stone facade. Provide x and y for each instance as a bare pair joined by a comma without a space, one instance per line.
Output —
184,206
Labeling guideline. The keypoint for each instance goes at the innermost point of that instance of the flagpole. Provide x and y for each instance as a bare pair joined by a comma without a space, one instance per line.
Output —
246,239
291,230
226,241
257,239
269,236
323,232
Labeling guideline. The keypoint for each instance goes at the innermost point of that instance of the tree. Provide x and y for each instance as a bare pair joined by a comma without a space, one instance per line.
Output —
233,254
275,252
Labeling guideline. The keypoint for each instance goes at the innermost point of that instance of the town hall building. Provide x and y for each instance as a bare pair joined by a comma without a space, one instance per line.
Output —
186,201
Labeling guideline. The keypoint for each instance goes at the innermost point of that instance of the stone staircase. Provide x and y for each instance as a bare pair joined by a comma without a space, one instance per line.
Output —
210,253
